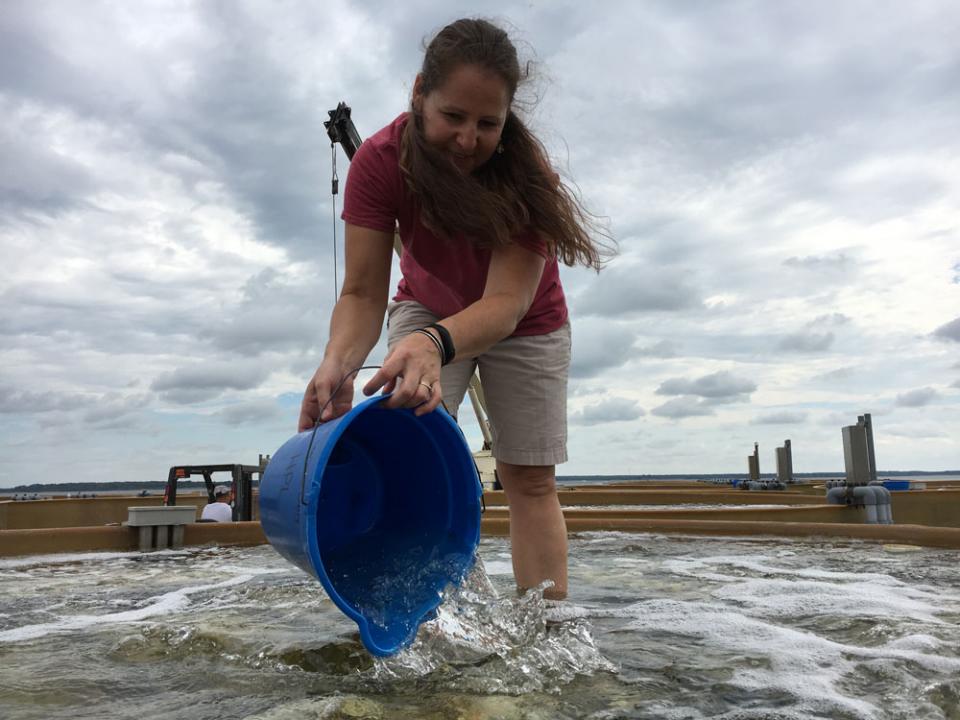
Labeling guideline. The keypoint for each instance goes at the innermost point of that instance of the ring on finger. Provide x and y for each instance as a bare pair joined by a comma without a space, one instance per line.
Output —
428,387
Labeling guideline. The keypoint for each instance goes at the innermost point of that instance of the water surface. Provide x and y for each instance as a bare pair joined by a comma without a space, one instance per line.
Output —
657,627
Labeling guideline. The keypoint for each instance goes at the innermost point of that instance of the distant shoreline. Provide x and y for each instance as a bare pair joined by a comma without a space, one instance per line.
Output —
112,487
159,485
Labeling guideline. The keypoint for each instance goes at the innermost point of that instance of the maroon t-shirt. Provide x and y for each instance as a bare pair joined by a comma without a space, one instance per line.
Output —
443,275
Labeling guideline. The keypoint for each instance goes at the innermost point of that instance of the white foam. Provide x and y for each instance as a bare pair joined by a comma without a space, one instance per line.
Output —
614,537
809,589
65,558
250,570
790,598
800,663
564,611
692,567
162,604
499,567
917,643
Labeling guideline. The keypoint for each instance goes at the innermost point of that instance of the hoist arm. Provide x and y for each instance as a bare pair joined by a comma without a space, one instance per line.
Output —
340,129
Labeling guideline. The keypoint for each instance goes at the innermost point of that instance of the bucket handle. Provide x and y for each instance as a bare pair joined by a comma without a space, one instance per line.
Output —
318,423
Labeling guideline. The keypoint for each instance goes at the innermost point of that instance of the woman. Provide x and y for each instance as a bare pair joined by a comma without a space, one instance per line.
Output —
483,220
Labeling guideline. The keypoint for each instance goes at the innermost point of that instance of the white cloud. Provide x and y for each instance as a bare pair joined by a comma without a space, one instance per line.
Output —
917,398
608,410
599,346
807,342
718,385
683,407
661,349
949,331
841,374
250,413
114,409
821,264
23,402
786,209
201,382
626,291
781,418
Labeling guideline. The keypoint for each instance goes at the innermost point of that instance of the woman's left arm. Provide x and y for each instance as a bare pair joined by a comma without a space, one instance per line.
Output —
512,282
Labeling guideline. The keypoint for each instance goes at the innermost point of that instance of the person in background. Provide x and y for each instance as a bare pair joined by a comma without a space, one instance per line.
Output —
220,510
484,220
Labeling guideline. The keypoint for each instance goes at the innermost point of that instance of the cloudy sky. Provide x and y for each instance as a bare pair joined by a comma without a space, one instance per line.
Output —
783,180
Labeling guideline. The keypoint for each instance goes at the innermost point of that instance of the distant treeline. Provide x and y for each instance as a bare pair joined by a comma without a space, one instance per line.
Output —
107,486
716,476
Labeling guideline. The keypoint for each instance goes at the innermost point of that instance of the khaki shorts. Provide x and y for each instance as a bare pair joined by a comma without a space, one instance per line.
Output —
524,385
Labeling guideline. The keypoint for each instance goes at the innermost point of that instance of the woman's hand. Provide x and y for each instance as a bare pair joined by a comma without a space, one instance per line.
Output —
411,371
321,386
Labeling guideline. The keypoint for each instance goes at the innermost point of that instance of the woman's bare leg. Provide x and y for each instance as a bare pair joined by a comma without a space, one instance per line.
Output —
538,533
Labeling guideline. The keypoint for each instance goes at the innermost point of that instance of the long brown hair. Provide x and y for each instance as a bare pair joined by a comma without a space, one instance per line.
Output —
517,188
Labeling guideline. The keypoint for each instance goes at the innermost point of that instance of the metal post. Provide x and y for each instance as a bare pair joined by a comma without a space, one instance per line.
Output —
241,492
146,538
789,452
243,495
855,456
871,457
753,462
170,493
475,390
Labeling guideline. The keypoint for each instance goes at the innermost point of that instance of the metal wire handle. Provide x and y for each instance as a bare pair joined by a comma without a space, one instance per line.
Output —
318,423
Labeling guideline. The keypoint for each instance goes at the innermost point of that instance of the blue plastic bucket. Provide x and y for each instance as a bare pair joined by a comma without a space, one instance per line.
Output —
383,508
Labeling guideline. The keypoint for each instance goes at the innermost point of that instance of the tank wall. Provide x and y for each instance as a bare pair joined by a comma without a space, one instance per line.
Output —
86,512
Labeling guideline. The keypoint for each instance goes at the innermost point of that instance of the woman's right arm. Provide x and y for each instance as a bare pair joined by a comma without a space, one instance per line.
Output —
355,325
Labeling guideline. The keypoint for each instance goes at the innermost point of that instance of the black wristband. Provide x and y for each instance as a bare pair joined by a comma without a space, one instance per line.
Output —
449,351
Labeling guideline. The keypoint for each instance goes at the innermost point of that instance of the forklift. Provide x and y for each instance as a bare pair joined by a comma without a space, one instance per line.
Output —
241,482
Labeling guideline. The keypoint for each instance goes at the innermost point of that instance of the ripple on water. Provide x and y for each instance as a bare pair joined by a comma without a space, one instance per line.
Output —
657,627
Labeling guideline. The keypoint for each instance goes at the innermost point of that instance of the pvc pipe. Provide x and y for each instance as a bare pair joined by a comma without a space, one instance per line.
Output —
837,496
867,497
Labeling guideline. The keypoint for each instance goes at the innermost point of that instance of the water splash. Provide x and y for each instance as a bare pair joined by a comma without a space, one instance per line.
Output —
394,589
480,642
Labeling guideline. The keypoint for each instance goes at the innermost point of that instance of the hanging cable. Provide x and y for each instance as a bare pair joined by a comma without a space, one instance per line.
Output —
334,189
